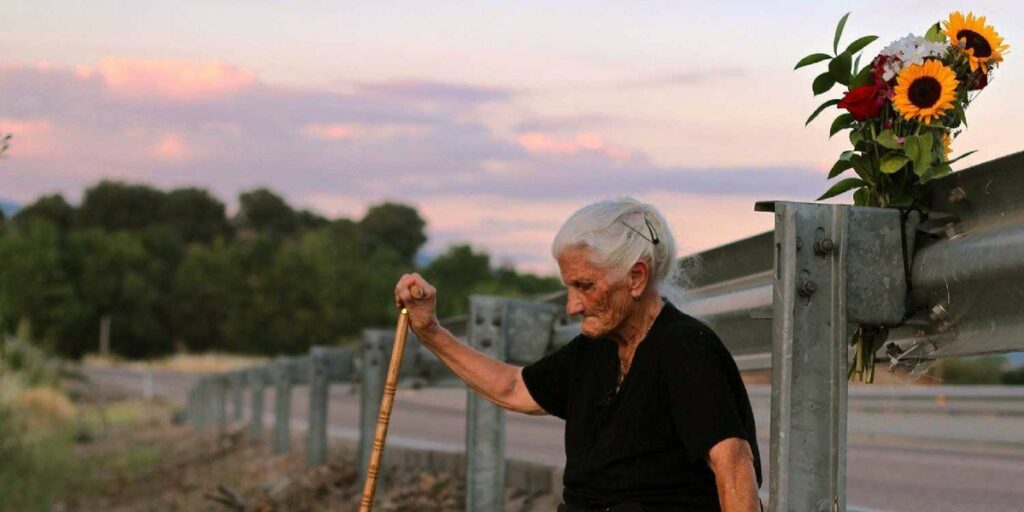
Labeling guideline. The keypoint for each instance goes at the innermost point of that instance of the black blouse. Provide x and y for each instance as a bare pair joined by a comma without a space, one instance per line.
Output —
648,442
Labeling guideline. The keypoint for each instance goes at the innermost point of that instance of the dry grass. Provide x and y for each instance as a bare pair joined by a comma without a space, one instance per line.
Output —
184,363
43,409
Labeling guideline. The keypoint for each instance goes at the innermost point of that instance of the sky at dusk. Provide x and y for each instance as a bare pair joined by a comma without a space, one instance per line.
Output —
496,120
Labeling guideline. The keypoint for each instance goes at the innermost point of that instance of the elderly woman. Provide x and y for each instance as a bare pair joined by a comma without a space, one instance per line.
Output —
656,416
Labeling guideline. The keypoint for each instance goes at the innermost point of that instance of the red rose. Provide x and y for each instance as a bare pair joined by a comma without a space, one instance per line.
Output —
863,102
879,68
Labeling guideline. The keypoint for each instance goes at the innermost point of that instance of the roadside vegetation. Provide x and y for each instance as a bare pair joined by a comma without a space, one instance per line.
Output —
162,272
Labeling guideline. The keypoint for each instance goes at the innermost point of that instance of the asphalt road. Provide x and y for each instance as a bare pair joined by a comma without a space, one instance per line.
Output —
895,462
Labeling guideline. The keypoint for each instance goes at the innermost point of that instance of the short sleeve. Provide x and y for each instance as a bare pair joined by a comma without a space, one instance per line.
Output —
702,401
548,379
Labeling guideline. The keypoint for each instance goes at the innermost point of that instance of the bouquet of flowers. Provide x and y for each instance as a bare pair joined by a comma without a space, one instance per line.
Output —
905,107
903,110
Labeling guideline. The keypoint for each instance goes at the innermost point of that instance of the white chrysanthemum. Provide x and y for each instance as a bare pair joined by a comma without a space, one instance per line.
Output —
908,51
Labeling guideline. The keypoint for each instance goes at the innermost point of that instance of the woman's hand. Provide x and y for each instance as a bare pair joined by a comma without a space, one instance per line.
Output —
422,306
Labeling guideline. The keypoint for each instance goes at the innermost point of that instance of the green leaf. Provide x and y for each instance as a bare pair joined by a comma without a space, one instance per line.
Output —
935,34
843,186
863,77
842,164
821,107
842,122
887,139
926,176
861,197
960,112
813,58
859,44
965,155
822,83
839,32
893,162
839,168
862,166
839,68
856,139
919,149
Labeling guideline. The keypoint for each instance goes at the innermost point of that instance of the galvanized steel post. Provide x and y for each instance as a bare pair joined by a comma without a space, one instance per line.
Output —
485,421
373,370
257,383
237,380
220,391
209,413
282,374
809,359
319,385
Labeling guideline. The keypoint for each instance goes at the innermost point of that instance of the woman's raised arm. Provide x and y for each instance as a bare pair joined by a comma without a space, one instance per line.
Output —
497,381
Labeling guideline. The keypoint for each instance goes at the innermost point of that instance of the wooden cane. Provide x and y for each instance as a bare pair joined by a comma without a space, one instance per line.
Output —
377,450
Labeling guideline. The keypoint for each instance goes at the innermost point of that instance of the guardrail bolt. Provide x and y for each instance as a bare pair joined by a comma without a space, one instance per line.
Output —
957,194
807,288
823,246
951,231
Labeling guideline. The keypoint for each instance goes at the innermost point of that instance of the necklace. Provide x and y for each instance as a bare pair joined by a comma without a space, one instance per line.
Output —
623,369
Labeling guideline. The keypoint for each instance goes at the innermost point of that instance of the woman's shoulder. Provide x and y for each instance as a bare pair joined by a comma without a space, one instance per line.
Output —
685,334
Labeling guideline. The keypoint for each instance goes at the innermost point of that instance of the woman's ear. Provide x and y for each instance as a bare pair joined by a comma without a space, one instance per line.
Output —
639,275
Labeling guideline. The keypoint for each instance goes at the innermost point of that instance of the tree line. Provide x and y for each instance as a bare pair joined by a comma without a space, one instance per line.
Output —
170,271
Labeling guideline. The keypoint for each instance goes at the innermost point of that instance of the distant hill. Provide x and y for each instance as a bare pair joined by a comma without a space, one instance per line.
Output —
9,207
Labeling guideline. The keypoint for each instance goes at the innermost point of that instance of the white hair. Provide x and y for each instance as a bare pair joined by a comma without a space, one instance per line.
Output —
619,233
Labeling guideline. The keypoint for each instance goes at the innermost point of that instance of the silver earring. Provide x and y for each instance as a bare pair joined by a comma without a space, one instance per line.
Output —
636,297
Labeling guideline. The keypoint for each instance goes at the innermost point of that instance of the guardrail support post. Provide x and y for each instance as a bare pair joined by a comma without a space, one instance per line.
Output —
254,377
207,400
485,422
237,380
220,391
374,367
319,386
282,403
809,359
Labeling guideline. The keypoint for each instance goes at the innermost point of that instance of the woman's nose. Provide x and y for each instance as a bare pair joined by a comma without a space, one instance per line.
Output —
573,304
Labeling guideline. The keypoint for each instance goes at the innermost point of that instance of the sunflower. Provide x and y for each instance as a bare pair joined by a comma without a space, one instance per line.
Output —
978,41
924,91
947,145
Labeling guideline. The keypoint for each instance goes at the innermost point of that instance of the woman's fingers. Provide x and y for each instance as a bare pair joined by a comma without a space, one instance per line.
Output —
412,288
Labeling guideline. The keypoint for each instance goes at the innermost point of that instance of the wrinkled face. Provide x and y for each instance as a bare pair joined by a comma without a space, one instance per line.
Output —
603,303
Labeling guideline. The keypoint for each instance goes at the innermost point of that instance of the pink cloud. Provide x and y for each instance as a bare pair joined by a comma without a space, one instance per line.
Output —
540,143
30,137
335,131
177,80
172,148
353,131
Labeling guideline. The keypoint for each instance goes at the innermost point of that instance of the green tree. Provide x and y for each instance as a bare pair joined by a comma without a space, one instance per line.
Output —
196,215
207,289
1014,377
118,277
266,212
973,370
456,274
310,220
34,286
52,208
394,227
116,206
